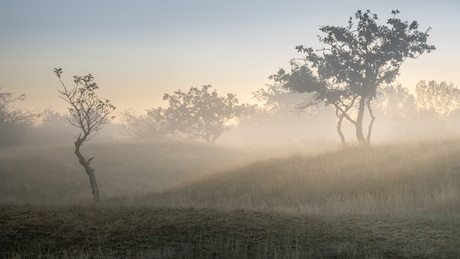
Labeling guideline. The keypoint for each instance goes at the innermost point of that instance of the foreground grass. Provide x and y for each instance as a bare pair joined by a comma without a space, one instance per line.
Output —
205,233
165,199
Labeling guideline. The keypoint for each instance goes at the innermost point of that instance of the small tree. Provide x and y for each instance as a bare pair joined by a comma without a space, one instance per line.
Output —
198,113
354,62
87,112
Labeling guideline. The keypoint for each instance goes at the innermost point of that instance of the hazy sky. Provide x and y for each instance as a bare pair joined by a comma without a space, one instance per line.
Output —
138,50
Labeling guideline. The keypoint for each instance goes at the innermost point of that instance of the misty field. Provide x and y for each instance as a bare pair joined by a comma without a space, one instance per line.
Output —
170,199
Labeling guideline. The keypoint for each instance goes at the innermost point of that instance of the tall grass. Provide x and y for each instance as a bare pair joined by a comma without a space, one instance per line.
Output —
389,179
180,200
383,179
51,174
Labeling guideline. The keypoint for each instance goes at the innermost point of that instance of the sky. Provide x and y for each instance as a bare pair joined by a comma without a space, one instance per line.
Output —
139,50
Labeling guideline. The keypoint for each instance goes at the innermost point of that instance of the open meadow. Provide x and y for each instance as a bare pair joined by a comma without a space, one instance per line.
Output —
230,129
174,199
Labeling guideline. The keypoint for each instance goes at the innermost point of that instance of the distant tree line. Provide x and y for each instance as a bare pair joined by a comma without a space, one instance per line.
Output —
432,100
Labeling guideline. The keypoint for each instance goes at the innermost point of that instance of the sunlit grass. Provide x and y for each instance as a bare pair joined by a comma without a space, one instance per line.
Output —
383,179
164,199
51,175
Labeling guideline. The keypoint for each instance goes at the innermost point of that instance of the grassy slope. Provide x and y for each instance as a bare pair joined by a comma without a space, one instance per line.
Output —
51,174
418,178
387,201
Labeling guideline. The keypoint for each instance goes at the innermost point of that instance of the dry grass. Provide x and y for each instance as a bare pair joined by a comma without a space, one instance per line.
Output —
418,178
203,233
178,200
51,175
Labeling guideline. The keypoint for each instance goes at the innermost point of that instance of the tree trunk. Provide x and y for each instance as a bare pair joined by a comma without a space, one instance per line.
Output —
359,122
339,128
371,124
88,169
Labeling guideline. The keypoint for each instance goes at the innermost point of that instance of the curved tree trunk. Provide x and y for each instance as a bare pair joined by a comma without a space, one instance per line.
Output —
339,127
359,122
341,111
88,169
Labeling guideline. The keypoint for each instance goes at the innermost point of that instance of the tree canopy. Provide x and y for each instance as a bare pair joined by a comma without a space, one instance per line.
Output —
198,113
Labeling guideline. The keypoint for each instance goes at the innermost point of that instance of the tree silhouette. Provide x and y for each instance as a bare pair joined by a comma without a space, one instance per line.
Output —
198,113
354,62
87,112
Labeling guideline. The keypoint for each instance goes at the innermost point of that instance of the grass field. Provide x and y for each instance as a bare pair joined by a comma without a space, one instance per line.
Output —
179,200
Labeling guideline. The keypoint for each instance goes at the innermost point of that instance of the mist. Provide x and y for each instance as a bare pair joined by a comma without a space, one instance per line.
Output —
135,159
167,146
281,160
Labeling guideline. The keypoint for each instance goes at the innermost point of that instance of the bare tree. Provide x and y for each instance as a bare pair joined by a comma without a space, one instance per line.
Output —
87,112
